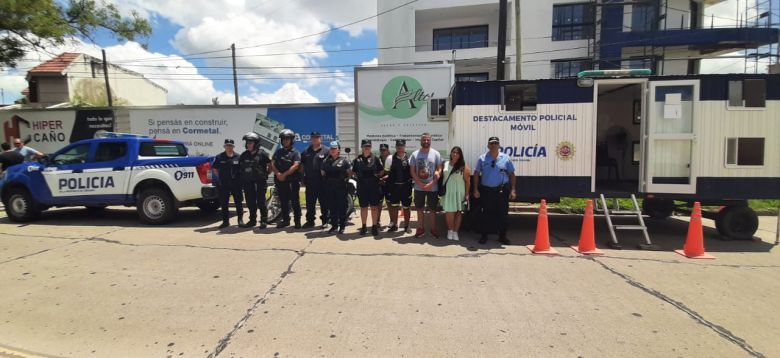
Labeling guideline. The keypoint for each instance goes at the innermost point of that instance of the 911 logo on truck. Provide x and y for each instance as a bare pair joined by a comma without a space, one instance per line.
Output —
180,174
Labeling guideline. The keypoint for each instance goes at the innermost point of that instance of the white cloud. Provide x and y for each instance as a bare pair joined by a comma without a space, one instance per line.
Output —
288,93
373,62
12,83
345,97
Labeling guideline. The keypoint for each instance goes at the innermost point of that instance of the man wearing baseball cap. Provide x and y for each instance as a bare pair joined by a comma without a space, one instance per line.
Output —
494,177
311,163
226,167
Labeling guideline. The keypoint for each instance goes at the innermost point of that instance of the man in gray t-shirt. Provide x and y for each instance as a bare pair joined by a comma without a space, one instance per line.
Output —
426,166
29,154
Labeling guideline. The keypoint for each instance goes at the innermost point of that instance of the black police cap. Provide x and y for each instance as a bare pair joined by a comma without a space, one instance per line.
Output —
229,142
400,142
384,146
315,134
493,140
365,142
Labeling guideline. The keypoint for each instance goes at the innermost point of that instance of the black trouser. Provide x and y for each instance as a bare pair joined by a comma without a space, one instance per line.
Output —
314,192
335,200
255,199
225,190
494,202
288,191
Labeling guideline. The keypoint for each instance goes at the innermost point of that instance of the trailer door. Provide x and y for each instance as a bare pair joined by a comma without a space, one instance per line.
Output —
671,138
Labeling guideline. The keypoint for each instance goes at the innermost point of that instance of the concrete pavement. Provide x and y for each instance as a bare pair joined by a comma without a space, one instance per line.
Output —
75,285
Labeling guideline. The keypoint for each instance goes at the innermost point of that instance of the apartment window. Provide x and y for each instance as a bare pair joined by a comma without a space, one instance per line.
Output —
519,97
471,77
572,22
438,107
643,17
460,38
641,63
744,151
747,93
569,68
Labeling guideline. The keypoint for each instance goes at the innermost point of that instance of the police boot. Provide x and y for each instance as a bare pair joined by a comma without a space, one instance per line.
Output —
333,229
341,228
263,223
308,224
252,222
241,222
224,224
297,223
283,223
375,230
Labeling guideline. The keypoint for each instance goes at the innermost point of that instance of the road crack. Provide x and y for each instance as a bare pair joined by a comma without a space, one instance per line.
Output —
225,341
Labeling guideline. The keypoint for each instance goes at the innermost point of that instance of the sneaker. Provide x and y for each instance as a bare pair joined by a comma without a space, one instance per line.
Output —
420,232
263,224
393,228
324,226
224,225
449,235
332,229
406,229
363,230
483,239
455,236
502,239
435,233
375,230
341,229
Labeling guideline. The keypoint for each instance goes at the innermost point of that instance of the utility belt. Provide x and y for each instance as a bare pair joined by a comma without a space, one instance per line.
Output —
498,189
334,180
371,177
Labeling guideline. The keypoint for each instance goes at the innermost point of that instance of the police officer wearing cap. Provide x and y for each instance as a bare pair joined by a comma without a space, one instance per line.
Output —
311,160
494,177
399,185
226,168
335,171
285,164
254,164
368,170
384,153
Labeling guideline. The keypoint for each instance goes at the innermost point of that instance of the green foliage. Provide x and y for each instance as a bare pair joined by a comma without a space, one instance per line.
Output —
37,24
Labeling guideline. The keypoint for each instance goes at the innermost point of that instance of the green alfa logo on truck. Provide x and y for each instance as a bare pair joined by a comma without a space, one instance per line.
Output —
402,97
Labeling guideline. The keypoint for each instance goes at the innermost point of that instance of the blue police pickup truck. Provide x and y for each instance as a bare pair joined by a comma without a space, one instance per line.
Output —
156,176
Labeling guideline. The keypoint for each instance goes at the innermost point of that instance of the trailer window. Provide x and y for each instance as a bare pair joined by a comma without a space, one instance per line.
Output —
747,94
744,151
519,97
438,107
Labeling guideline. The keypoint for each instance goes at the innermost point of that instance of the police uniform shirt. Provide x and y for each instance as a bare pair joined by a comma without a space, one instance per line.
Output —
398,169
367,167
285,158
227,167
312,160
254,165
494,175
336,168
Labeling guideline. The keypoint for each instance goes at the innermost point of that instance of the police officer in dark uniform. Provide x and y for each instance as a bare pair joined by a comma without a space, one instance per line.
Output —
254,164
399,184
285,164
384,153
226,167
335,171
311,160
368,170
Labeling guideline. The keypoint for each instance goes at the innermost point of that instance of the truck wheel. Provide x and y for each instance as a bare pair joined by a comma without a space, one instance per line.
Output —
20,206
156,206
658,208
208,206
737,222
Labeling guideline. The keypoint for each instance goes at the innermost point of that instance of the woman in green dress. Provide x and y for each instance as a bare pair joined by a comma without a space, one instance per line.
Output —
457,180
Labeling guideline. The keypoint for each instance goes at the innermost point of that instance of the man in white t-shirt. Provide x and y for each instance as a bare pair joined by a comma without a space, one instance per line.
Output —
425,166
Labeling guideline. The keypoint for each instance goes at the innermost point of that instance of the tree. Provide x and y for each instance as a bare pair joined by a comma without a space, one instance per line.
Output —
37,24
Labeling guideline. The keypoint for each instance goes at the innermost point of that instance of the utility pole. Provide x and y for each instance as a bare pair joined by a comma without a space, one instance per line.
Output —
235,77
518,42
105,76
500,68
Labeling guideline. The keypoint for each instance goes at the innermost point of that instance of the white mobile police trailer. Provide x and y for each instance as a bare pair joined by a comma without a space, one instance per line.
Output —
708,138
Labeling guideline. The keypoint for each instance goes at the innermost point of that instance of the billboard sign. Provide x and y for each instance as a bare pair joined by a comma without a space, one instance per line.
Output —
204,130
393,103
50,130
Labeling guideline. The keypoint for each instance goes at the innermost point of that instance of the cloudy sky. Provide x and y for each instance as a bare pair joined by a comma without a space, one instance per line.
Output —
188,52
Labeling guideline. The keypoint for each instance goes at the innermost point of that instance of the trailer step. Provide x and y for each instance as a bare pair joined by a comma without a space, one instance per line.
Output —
616,211
628,227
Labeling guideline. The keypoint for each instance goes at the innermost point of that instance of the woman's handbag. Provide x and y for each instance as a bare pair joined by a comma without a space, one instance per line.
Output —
443,184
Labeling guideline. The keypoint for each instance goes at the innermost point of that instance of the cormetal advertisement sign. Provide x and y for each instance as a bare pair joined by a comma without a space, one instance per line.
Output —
394,103
204,130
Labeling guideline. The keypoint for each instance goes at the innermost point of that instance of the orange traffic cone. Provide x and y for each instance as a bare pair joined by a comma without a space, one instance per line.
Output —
542,243
587,244
694,243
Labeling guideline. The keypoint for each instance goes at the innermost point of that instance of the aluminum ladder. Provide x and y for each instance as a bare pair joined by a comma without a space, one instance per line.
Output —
617,212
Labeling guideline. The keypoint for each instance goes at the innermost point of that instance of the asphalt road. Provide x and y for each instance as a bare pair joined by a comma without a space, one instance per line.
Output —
76,285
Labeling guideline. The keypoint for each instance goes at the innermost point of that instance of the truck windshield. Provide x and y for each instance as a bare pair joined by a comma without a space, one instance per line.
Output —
162,149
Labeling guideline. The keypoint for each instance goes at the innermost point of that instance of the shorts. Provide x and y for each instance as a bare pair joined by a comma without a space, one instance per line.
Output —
426,199
385,193
400,194
369,193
